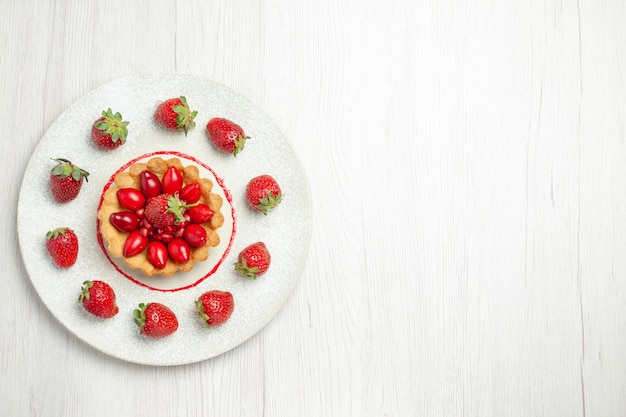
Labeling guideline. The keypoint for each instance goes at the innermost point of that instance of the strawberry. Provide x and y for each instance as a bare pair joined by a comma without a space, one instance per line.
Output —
62,245
175,114
253,260
165,210
155,320
263,193
215,307
66,179
98,298
109,131
227,136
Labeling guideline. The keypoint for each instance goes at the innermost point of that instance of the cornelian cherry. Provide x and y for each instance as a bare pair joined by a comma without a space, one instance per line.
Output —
124,221
149,184
200,213
135,244
179,250
191,193
157,254
195,235
131,198
172,181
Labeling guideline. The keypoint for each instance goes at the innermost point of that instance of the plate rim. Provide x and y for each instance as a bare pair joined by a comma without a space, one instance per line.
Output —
306,230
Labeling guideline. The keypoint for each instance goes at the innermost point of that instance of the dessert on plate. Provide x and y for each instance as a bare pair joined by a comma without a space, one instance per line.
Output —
160,216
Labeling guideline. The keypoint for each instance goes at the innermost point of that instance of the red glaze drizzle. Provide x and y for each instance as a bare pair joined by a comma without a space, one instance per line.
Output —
220,181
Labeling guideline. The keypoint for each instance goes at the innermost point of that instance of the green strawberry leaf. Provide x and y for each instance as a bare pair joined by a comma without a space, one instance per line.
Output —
248,272
139,315
268,203
84,295
53,234
113,125
201,313
239,144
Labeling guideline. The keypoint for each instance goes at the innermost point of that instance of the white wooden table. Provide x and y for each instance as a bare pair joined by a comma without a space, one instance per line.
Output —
467,161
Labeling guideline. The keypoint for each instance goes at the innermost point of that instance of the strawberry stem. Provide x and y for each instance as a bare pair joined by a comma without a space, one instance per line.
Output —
268,203
185,116
65,168
201,313
85,291
248,272
113,125
53,234
177,207
140,315
239,144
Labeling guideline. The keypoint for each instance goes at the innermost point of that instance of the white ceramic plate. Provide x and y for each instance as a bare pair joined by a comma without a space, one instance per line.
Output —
286,230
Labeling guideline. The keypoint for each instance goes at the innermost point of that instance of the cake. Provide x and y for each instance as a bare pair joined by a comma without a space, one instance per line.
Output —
116,236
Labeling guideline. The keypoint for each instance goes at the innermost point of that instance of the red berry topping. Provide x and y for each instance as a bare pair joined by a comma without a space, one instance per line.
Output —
195,235
157,254
179,250
165,210
191,193
131,198
172,181
164,217
200,213
135,243
150,184
125,221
